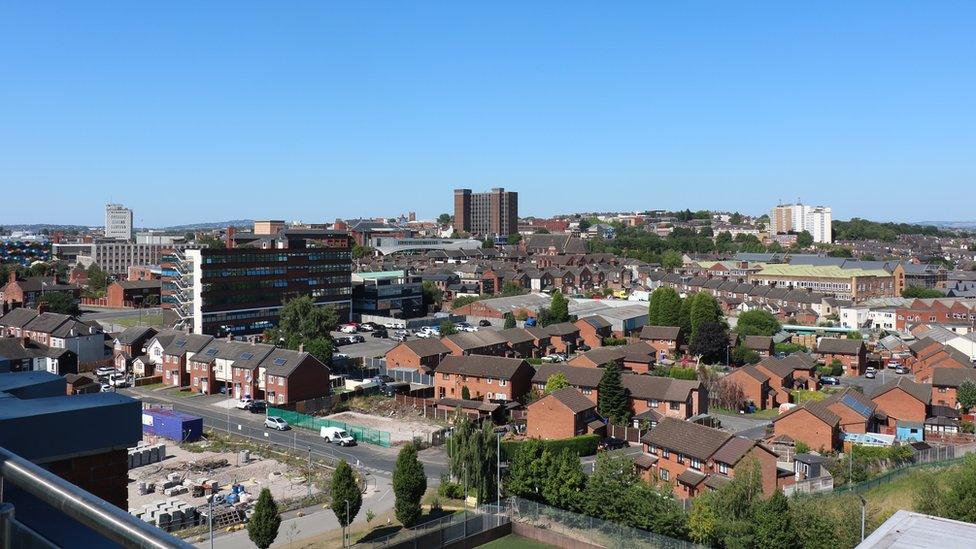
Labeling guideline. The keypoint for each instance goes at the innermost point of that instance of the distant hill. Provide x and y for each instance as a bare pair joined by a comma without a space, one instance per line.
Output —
211,225
966,225
38,227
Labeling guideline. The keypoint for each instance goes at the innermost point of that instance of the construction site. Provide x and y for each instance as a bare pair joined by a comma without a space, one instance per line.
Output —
176,488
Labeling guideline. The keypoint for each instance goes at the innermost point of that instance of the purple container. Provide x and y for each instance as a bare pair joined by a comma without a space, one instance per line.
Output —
172,425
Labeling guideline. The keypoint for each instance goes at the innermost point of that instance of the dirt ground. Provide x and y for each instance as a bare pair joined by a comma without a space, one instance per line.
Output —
285,482
401,429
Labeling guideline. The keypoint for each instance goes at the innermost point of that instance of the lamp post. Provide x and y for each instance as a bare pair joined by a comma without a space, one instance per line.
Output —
864,504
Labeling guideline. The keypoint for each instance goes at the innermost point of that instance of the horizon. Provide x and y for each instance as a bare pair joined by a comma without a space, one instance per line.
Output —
315,112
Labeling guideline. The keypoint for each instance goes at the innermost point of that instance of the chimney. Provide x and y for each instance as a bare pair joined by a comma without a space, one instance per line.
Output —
25,342
12,277
41,307
301,347
230,237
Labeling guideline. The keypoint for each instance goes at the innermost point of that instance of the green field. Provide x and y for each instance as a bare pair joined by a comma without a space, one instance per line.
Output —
512,541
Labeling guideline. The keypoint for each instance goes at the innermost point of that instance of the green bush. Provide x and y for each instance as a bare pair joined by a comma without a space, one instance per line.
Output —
535,361
451,490
583,445
614,341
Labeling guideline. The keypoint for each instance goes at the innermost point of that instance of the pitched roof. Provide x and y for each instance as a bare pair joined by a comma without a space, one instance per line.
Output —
819,410
184,343
134,333
833,345
495,367
476,340
691,439
733,450
952,377
561,329
691,477
660,332
282,362
18,318
515,336
922,344
596,321
919,391
757,342
46,322
426,347
780,367
573,399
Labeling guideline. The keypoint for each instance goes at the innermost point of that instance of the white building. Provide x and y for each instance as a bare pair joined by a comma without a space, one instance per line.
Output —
799,217
118,222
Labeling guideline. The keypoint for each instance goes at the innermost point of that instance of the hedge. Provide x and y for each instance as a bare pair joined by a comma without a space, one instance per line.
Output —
583,445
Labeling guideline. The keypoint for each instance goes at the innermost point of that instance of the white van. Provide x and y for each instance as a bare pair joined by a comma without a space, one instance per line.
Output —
338,436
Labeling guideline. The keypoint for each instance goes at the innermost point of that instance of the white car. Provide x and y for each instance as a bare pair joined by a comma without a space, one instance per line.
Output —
348,329
105,371
337,435
553,358
118,380
276,423
106,388
465,327
243,403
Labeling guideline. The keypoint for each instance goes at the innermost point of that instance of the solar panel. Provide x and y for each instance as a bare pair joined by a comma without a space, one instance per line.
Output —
211,352
247,356
181,343
853,404
280,362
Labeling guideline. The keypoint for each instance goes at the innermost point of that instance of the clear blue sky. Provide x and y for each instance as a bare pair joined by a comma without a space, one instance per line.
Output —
202,111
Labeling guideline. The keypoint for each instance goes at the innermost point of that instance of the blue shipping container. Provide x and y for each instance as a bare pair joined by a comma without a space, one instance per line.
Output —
172,425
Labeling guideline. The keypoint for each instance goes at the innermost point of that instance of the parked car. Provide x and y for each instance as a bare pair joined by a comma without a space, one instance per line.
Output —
243,403
348,328
368,326
380,333
106,388
337,436
829,380
465,327
484,323
894,364
340,356
394,326
257,407
612,443
382,378
276,423
118,380
391,389
105,371
870,374
902,369
399,335
555,357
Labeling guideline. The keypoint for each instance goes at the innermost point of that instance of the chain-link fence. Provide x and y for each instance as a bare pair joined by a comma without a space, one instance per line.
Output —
445,530
315,424
590,530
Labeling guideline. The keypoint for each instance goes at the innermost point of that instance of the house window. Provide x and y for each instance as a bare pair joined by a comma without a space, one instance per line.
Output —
674,405
488,381
665,453
723,468
587,391
445,376
652,403
681,458
695,464
664,474
502,382
942,389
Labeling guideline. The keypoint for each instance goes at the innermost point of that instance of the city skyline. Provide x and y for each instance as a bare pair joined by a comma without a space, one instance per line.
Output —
247,109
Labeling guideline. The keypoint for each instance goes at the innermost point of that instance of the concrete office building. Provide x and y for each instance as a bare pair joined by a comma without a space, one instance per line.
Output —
491,214
118,222
240,291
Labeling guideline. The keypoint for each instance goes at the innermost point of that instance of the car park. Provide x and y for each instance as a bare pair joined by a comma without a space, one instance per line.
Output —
368,326
276,423
380,333
902,369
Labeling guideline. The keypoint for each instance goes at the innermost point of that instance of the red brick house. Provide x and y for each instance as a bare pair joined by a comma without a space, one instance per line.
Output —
945,383
593,330
694,458
822,424
422,355
563,337
27,293
755,386
903,400
293,376
563,414
850,352
133,293
760,344
486,377
176,355
780,374
635,357
524,344
666,340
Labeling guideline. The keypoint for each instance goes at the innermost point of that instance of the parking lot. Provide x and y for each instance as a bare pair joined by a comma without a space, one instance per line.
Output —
883,376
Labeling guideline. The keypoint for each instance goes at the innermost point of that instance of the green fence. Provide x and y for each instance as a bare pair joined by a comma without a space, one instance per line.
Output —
312,423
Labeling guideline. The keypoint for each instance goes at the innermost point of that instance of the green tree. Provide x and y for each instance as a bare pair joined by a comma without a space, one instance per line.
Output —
664,308
97,280
854,334
711,343
684,317
432,295
409,485
671,259
522,480
263,525
921,292
742,355
804,239
472,453
814,524
655,511
966,395
465,393
556,382
509,321
346,497
960,498
359,252
302,321
757,322
321,348
444,219
211,241
541,230
559,308
564,483
60,302
840,251
612,477
612,401
511,289
448,328
703,520
514,238
704,309
773,524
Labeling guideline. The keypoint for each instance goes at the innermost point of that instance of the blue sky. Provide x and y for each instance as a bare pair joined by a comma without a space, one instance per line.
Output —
202,111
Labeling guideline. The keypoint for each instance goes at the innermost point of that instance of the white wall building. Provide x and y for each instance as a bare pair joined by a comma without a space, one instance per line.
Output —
118,222
799,217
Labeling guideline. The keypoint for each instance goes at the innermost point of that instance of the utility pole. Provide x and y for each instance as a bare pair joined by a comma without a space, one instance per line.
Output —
308,477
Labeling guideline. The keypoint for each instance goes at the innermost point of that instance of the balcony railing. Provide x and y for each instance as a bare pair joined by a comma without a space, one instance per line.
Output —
107,520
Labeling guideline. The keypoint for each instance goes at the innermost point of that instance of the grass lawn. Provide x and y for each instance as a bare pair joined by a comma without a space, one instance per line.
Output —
801,396
178,393
512,541
140,320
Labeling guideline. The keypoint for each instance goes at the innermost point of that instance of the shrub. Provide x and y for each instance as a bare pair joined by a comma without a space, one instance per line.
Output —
583,445
614,341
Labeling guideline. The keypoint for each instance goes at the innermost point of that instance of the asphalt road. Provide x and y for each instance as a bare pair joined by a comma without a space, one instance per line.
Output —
883,376
375,460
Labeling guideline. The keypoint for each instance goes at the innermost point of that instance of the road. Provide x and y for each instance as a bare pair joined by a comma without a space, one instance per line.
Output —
373,459
883,376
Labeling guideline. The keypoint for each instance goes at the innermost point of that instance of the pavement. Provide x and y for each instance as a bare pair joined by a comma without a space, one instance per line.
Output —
372,347
92,313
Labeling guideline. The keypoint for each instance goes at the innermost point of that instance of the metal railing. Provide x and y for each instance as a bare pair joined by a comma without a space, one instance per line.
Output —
450,529
87,509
